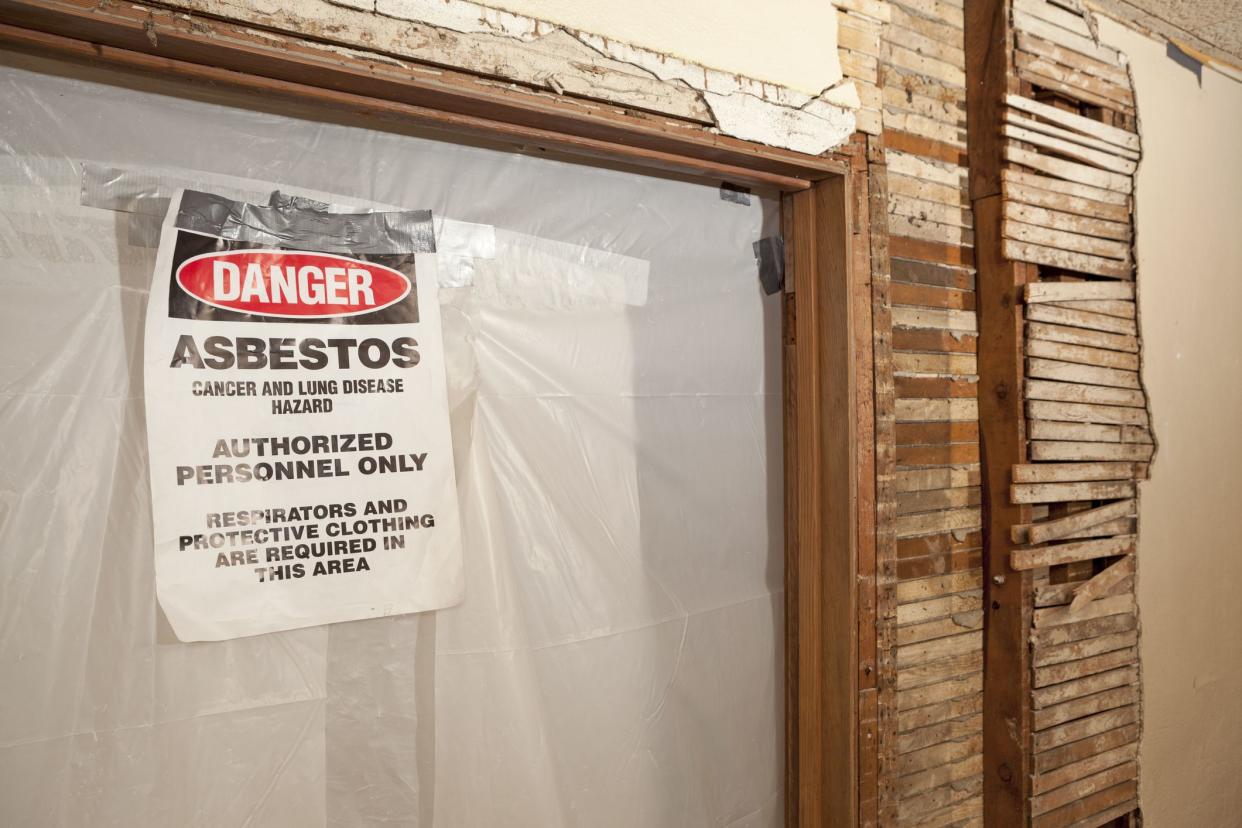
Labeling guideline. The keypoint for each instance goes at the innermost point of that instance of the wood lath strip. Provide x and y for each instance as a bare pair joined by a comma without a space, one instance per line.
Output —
1020,251
1058,528
1111,135
1058,314
1079,336
1037,292
1077,43
1063,553
1046,348
1101,584
1050,450
1070,170
1075,84
1067,222
1111,605
1062,492
1041,393
1061,147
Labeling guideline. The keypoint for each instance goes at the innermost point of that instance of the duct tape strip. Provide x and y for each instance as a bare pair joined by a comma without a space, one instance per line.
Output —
145,193
293,223
735,193
770,254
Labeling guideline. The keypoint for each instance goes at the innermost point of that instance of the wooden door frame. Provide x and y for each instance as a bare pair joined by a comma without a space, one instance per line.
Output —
828,298
826,468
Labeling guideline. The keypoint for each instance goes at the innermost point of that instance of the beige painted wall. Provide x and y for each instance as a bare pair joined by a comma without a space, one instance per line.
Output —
787,42
1190,556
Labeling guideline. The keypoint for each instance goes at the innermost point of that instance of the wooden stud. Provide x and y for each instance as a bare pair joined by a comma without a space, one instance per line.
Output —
1007,719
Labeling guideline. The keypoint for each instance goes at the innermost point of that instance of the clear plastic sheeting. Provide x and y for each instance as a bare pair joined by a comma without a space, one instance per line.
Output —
614,378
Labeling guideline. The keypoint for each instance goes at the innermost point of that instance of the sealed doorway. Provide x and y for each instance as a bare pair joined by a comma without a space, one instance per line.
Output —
614,377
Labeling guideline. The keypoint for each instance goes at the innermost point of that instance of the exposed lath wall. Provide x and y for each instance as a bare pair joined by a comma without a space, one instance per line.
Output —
906,58
1069,211
1071,151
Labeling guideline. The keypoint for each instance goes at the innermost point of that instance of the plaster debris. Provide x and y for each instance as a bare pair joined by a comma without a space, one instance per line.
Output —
500,44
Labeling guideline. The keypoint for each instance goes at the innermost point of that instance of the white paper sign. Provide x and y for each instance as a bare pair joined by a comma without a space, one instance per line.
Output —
297,419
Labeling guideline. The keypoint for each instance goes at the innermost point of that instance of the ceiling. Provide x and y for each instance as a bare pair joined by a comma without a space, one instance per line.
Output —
1211,26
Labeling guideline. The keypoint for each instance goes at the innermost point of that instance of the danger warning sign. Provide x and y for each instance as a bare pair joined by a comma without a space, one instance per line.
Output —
297,418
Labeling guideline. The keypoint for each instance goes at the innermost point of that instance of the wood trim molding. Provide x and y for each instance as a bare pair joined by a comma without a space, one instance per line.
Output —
822,498
155,40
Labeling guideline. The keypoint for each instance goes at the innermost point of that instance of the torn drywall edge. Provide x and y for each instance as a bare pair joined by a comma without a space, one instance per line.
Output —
814,128
1157,29
483,41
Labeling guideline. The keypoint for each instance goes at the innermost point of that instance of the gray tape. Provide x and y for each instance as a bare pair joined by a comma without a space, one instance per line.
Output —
297,202
735,193
408,231
770,254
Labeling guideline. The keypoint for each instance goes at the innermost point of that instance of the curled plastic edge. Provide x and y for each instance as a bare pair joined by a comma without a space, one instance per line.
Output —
145,194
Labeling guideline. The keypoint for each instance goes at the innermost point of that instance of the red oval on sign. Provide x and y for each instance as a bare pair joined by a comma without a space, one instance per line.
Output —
291,283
